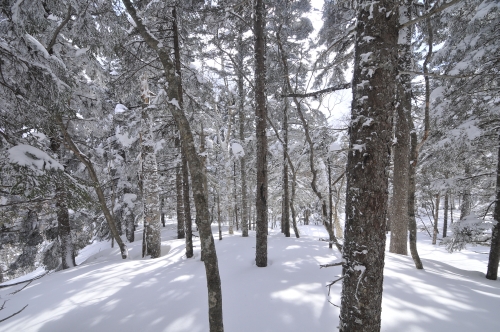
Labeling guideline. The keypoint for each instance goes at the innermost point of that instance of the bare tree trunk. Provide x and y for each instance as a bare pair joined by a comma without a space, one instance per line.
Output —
285,214
188,222
150,196
314,171
179,194
97,186
67,250
445,221
399,202
412,222
370,134
494,256
241,120
260,132
436,218
198,176
129,218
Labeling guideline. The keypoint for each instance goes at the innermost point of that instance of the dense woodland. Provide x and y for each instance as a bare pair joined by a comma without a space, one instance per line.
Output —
122,114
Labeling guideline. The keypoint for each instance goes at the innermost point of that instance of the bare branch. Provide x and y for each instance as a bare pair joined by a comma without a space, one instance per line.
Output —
434,10
331,264
316,93
58,30
436,75
13,314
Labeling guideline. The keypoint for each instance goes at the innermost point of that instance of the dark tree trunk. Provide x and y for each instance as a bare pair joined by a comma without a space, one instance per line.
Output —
494,257
412,222
64,229
436,219
179,195
188,223
399,202
445,216
368,160
66,247
260,128
198,176
129,219
241,119
97,187
285,214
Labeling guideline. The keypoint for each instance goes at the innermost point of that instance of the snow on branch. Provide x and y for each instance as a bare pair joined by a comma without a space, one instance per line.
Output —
316,93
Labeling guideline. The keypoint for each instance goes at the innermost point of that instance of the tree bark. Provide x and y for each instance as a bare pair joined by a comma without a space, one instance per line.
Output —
368,159
494,256
399,208
260,132
129,218
150,190
188,222
97,187
198,176
436,218
66,247
412,222
241,120
445,219
285,214
179,194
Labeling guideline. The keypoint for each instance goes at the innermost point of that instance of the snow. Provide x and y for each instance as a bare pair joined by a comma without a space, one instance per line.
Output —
33,158
334,147
106,293
119,108
237,150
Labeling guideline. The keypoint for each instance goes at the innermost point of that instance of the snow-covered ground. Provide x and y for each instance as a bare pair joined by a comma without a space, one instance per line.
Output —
106,293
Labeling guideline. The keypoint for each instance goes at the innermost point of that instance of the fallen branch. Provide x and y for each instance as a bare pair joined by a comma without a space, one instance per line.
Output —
13,314
28,281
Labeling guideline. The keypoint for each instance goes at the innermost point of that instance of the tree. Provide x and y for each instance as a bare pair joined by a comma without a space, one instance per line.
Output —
494,256
260,133
198,176
367,184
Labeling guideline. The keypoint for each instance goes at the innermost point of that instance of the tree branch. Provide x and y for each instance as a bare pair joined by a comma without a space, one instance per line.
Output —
13,314
434,10
316,93
436,75
58,30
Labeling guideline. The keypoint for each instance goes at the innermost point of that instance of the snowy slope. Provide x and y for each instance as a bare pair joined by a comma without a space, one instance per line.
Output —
105,293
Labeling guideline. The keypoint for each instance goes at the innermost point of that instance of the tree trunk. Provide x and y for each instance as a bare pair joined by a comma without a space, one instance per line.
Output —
494,257
285,214
260,133
67,250
150,197
97,186
338,228
399,208
241,120
198,176
179,194
436,218
188,222
129,218
445,221
412,222
368,159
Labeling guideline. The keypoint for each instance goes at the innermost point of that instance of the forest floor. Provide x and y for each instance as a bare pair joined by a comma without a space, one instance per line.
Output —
106,293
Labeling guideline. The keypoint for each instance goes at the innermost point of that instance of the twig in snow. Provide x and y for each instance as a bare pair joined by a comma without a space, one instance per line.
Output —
1,320
22,282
